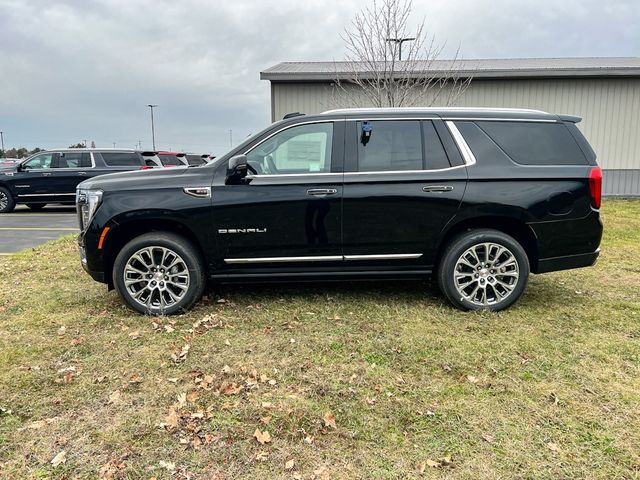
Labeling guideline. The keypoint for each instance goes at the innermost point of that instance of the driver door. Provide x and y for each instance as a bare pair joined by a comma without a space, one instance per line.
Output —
35,182
286,214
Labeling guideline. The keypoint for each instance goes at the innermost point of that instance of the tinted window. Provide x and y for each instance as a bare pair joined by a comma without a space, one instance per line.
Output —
39,161
532,143
433,149
302,149
121,159
168,159
195,160
389,145
73,160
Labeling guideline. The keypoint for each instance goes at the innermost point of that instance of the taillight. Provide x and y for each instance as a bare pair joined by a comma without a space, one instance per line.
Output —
595,186
146,167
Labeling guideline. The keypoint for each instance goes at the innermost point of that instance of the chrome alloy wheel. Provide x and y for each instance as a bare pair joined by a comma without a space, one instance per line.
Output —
4,200
156,277
486,274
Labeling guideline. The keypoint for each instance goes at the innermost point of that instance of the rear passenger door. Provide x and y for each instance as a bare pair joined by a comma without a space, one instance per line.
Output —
404,180
69,169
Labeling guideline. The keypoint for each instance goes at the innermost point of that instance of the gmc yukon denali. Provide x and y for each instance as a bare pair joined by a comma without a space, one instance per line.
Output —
476,198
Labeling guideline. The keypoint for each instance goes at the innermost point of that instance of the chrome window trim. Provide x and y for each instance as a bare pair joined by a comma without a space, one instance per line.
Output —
324,258
467,154
287,127
93,163
275,175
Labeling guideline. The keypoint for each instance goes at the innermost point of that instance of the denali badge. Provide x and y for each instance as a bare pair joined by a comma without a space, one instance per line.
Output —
242,230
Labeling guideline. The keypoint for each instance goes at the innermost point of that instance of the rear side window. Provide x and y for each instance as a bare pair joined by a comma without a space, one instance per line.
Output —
389,145
121,159
73,160
171,160
435,155
535,143
195,160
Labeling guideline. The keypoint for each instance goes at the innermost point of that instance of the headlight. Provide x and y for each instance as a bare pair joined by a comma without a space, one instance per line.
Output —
87,202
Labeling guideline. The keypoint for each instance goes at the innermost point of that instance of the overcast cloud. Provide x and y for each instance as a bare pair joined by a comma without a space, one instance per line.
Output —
85,69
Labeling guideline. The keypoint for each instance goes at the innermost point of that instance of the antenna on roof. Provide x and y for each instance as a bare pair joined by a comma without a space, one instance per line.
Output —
293,114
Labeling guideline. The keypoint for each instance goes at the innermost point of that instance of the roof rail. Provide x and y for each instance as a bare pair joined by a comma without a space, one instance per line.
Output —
432,109
293,114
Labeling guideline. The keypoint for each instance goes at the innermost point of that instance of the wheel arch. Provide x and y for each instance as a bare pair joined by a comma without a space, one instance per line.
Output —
123,232
513,227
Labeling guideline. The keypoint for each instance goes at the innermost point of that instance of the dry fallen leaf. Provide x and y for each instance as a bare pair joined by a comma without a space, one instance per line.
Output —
266,420
181,355
59,458
62,330
226,370
171,420
289,465
262,437
135,379
193,396
134,335
261,456
170,466
488,438
329,420
432,464
114,397
472,379
230,388
553,447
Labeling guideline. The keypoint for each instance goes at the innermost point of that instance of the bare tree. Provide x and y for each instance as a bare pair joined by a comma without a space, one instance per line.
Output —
380,71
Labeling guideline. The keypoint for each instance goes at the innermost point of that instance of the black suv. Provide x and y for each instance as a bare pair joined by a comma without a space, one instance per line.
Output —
476,197
52,176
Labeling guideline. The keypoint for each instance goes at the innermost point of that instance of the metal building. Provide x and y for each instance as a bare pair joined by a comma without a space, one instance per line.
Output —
605,92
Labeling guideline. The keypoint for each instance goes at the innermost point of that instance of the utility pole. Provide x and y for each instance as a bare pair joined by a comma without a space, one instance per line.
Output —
153,132
2,139
230,138
399,42
85,144
114,144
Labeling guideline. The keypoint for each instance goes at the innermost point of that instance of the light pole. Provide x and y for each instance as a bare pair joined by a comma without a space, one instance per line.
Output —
2,139
399,42
153,132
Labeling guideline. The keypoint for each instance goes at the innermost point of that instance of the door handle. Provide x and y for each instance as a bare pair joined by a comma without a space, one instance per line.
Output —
437,188
321,192
82,173
46,174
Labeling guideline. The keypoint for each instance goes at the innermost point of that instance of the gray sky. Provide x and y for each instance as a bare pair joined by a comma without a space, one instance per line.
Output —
85,69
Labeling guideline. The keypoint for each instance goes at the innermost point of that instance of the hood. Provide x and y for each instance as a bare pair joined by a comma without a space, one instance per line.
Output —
148,179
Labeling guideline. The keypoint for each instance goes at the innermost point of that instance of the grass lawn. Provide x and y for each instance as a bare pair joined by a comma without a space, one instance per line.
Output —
370,380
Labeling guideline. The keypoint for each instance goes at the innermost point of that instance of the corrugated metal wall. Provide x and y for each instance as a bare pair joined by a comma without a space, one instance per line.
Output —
610,109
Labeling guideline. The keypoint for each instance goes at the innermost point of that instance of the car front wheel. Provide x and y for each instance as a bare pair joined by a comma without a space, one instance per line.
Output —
159,273
483,270
7,203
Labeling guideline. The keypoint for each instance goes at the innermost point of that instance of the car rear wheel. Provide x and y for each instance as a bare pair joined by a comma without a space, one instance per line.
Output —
36,206
7,203
159,273
483,270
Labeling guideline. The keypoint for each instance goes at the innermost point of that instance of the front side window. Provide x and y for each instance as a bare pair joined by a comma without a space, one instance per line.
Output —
301,149
389,145
39,161
73,160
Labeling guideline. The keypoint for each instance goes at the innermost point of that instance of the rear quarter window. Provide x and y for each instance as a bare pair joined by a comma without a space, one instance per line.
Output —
121,159
535,143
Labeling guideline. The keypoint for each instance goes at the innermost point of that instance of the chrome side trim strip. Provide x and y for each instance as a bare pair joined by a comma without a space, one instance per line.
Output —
289,175
46,194
391,172
324,258
391,256
469,158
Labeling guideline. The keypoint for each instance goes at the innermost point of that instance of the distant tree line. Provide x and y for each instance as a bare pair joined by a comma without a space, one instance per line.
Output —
21,152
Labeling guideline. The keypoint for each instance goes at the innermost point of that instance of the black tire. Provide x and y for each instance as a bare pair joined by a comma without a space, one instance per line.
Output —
498,284
153,299
36,206
7,202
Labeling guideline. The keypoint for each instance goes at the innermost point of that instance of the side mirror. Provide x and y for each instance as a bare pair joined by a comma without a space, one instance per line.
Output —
236,169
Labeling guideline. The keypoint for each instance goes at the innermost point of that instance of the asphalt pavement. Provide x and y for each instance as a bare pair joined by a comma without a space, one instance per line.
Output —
23,228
